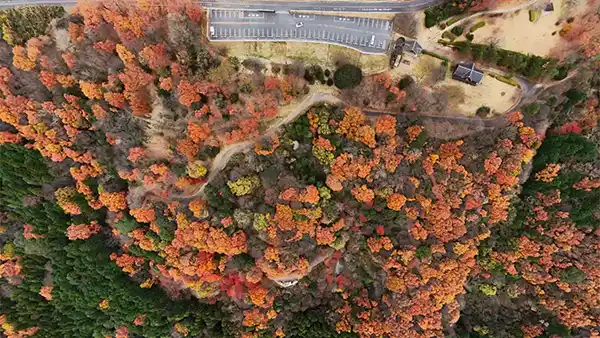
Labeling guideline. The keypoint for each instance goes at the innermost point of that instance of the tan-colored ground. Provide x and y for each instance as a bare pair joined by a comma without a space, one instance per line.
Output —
329,56
511,29
464,99
515,32
274,51
317,53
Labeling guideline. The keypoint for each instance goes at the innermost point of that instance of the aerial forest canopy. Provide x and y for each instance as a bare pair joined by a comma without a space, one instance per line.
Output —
152,187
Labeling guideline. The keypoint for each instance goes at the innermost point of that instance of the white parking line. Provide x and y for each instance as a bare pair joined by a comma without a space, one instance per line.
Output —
305,16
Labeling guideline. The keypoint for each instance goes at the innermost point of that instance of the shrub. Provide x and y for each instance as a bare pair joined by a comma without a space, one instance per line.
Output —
389,97
246,88
449,35
477,26
234,62
534,14
483,111
488,289
552,100
470,36
244,185
575,96
443,58
406,82
220,101
531,109
430,21
458,30
253,65
423,252
563,71
347,76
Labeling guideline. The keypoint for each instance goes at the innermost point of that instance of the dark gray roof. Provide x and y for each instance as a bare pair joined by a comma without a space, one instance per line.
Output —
549,7
412,46
468,73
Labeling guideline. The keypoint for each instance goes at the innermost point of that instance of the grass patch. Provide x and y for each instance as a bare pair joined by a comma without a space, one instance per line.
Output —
508,80
449,35
458,30
437,56
454,19
477,26
534,14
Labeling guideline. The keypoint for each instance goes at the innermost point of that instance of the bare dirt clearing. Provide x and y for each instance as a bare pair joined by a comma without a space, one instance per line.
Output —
464,99
514,31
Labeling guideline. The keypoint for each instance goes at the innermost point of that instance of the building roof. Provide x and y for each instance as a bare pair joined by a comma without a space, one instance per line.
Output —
549,7
412,46
468,73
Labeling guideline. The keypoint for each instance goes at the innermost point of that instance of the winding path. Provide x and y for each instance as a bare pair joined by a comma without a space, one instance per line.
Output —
228,151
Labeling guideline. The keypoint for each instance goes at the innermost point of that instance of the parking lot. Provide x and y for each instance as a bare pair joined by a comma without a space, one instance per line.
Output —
366,35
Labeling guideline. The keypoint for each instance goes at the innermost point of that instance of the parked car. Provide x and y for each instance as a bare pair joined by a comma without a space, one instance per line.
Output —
300,24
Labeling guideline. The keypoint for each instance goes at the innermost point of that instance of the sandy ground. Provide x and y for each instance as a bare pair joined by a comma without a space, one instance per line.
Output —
464,99
515,32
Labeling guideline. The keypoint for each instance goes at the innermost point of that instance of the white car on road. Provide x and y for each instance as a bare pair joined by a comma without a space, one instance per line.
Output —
299,24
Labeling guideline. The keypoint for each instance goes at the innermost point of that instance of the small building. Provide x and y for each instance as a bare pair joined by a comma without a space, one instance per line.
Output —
412,47
468,74
549,7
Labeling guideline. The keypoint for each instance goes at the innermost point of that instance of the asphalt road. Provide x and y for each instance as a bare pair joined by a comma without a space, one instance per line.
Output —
280,6
323,6
370,36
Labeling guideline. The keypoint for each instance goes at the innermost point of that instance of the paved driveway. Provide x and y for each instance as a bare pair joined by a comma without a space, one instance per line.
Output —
371,36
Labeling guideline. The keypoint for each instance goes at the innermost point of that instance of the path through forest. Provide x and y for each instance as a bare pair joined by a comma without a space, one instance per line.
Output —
222,158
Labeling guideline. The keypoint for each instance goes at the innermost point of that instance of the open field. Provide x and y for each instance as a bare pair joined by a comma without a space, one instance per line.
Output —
274,51
311,53
464,99
515,32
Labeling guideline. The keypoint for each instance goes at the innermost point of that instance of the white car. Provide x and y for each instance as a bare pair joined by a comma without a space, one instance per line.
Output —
212,31
299,24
